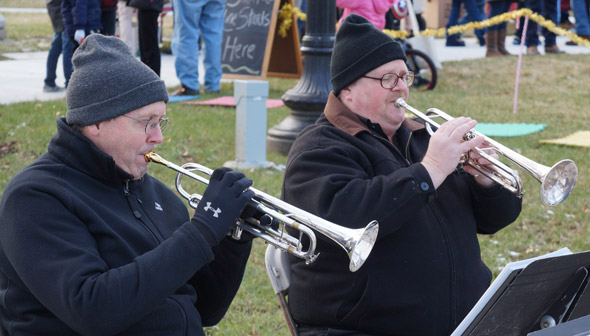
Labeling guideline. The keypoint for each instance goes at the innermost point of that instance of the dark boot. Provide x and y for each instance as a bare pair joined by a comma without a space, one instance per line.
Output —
481,36
454,41
492,44
502,43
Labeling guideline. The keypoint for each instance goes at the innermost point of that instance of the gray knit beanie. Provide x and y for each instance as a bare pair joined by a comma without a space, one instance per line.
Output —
359,47
108,82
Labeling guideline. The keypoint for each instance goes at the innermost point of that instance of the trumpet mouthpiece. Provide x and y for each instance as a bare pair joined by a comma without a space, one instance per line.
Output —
153,157
400,102
148,156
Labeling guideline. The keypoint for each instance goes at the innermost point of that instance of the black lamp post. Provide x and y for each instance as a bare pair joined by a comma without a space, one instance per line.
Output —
308,98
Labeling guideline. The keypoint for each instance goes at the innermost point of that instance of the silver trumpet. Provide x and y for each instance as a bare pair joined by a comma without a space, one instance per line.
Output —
357,243
557,182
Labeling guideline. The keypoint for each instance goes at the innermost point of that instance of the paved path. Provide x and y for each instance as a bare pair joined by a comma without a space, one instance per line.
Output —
21,77
472,50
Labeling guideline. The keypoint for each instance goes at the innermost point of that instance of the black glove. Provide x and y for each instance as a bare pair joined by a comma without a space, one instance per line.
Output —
251,215
264,219
223,201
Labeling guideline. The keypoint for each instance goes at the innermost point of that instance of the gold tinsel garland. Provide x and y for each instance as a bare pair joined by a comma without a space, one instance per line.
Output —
287,11
286,17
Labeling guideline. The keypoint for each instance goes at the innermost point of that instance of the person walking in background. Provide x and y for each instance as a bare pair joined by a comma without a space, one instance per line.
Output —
108,10
302,5
419,8
60,44
147,26
548,9
474,13
519,30
564,14
479,33
582,24
126,31
496,35
81,17
372,10
194,20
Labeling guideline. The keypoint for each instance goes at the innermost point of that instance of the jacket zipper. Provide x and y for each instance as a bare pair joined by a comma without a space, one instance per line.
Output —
136,213
390,146
139,217
445,233
408,147
437,215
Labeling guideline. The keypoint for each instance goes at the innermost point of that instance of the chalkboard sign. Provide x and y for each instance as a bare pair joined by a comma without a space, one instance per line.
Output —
249,33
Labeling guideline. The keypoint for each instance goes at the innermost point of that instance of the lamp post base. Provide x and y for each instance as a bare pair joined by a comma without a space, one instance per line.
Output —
308,98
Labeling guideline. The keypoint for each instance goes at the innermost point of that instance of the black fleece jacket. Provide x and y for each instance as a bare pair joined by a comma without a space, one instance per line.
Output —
425,271
85,250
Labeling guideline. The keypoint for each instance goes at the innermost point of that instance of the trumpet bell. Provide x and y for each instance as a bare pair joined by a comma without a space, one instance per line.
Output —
559,182
362,246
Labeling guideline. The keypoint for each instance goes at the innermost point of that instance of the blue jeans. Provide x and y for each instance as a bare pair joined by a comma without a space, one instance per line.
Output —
548,9
109,21
60,45
497,8
581,16
300,23
194,19
472,10
468,18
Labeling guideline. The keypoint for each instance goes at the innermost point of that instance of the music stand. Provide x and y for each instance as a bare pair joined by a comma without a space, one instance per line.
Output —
577,327
532,294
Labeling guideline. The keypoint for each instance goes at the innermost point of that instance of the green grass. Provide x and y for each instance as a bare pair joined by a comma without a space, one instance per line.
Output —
26,32
551,92
23,3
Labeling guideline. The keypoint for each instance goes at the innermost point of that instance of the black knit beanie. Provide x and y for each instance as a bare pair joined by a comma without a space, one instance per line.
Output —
108,82
359,47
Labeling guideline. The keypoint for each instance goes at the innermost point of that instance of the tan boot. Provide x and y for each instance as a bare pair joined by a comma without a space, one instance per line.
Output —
492,43
502,43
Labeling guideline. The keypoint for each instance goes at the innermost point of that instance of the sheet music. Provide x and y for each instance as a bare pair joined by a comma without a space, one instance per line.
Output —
498,283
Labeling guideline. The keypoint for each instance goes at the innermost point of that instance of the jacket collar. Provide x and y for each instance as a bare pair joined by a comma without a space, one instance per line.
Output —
78,152
344,119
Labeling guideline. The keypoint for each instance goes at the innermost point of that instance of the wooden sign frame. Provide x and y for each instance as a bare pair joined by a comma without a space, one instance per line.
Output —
282,56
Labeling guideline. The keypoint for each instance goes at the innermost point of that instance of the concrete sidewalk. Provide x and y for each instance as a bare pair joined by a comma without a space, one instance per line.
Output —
21,77
472,50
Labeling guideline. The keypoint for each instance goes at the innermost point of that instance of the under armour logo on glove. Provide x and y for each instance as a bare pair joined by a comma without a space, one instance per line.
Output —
228,190
216,212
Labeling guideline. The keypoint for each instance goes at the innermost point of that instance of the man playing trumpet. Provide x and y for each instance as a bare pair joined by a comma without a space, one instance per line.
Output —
362,160
90,243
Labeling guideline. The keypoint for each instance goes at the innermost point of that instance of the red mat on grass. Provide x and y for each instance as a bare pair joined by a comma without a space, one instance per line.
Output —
229,101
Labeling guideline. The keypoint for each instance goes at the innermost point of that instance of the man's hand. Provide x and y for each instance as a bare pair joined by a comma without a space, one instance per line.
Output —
479,178
446,147
223,202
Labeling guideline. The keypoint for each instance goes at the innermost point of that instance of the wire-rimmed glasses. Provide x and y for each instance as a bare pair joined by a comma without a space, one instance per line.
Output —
389,80
150,125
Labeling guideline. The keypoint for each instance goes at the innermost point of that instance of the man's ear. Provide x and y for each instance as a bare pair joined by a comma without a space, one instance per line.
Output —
345,94
91,130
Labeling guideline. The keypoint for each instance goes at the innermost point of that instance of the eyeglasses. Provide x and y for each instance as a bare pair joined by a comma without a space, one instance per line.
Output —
389,80
150,125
